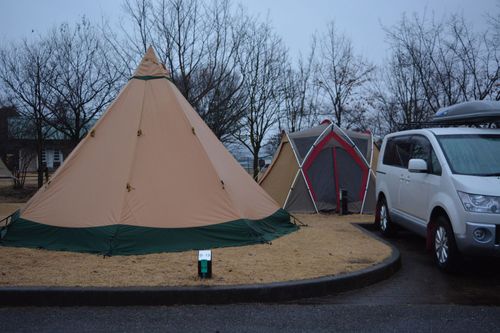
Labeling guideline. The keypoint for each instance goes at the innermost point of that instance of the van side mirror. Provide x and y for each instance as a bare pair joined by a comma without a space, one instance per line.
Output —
417,165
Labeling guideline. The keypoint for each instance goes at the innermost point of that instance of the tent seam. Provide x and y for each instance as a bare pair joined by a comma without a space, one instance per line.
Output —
74,152
205,154
133,159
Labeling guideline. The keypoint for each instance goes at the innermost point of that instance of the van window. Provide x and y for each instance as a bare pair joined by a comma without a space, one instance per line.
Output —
472,154
390,153
435,165
397,151
403,151
422,149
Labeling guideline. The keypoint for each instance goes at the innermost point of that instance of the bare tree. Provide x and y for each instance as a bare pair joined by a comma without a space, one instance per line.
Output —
223,107
494,22
479,60
341,75
446,57
300,104
398,95
262,60
24,70
435,64
198,42
139,12
84,82
26,158
20,127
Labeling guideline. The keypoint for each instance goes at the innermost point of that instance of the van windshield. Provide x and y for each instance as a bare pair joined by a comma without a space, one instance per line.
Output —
472,154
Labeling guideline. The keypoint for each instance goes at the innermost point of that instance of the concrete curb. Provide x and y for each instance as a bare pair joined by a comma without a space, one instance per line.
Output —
262,293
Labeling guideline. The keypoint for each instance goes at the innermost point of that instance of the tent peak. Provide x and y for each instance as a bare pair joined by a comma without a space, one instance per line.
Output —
150,66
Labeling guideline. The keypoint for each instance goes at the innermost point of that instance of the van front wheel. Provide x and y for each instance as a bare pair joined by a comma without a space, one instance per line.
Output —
386,227
445,249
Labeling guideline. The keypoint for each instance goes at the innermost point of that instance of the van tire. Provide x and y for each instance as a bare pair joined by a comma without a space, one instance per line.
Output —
445,251
385,225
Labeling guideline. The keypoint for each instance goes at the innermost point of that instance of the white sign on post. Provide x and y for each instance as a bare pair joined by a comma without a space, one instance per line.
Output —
205,255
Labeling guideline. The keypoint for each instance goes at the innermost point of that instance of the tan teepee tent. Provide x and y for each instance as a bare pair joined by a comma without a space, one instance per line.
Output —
149,177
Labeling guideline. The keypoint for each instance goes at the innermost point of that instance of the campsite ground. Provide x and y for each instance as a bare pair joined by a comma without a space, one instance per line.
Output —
328,245
10,195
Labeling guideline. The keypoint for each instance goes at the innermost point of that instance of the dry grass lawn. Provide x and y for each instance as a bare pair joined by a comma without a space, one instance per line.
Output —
329,245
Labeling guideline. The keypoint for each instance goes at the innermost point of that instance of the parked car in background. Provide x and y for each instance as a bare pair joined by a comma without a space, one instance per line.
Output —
443,184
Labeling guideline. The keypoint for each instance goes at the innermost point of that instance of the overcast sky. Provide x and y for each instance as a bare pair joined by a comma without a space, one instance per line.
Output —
294,20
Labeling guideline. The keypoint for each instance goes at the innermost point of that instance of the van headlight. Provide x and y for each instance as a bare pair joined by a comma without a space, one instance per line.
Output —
477,203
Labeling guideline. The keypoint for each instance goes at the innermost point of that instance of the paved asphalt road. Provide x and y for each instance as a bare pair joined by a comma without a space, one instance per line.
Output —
254,318
419,298
420,282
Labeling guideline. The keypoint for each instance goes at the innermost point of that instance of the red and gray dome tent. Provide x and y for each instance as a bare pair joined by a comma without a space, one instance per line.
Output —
311,167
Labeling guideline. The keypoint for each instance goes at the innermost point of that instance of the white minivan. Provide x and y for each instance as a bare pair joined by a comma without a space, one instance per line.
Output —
444,184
